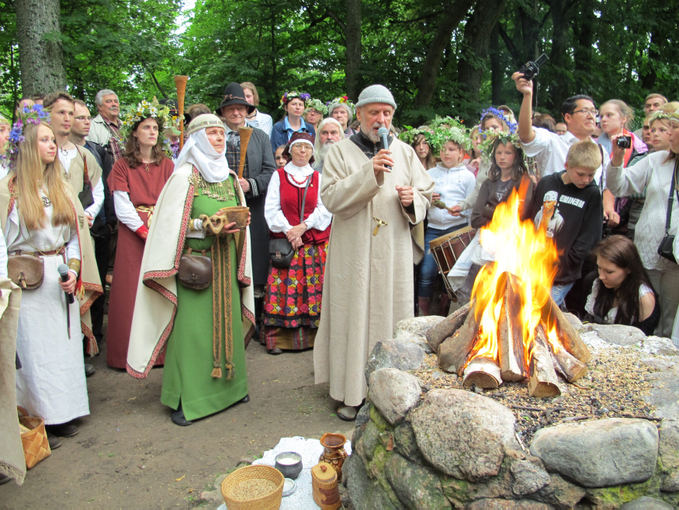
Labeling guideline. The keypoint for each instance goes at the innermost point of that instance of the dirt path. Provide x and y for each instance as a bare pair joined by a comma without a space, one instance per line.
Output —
129,455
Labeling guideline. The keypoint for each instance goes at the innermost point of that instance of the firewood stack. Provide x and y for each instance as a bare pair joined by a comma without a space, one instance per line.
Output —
544,364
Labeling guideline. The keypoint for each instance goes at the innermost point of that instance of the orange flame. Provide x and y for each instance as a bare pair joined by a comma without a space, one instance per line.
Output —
525,251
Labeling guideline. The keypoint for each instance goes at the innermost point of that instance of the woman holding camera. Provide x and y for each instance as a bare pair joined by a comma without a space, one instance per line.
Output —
615,117
195,293
657,173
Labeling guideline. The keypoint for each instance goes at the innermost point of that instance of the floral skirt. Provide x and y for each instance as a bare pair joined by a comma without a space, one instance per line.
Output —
293,295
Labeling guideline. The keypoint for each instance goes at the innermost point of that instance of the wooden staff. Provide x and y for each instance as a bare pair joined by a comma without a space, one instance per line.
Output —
180,83
245,134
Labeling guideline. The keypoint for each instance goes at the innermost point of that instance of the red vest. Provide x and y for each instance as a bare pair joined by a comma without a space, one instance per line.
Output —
291,203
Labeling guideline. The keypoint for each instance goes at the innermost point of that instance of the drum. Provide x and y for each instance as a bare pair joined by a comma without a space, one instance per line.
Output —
447,248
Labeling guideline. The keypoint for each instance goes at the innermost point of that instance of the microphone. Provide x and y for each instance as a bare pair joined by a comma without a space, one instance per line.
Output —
384,135
63,272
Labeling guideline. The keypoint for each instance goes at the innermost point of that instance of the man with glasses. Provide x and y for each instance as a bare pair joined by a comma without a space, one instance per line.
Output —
105,221
550,149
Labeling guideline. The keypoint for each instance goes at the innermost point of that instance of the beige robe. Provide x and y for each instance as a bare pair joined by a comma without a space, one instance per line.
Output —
368,285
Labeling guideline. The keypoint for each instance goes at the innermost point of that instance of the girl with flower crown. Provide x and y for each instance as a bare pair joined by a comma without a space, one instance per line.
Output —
293,104
41,217
135,182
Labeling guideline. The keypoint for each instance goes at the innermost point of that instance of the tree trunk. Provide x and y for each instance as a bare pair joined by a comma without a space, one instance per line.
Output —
353,48
477,34
497,72
40,56
430,69
562,79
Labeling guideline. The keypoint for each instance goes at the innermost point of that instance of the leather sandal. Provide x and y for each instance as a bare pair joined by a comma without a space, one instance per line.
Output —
63,429
275,351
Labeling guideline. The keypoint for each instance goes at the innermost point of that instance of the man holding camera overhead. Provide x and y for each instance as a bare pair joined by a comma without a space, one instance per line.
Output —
550,149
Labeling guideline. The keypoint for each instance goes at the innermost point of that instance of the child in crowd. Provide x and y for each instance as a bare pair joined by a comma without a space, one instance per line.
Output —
506,172
453,183
622,294
568,205
279,158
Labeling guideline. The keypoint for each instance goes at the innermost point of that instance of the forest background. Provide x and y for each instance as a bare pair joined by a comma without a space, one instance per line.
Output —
445,57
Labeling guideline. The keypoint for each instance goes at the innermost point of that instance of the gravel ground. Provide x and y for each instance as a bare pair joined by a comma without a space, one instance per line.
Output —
614,386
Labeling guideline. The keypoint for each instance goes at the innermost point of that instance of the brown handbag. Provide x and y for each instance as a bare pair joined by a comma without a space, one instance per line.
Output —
195,271
33,438
26,271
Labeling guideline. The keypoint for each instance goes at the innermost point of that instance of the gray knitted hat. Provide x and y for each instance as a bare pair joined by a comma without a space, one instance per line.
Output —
375,94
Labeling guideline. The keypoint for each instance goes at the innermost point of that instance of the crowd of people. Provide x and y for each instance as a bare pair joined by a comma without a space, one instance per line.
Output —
337,241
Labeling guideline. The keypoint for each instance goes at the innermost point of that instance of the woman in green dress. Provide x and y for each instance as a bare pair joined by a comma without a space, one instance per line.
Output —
203,317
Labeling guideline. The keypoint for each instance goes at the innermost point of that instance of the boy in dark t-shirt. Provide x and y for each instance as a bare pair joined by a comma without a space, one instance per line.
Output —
568,205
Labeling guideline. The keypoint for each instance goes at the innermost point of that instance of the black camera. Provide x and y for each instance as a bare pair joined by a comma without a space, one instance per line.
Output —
624,142
530,69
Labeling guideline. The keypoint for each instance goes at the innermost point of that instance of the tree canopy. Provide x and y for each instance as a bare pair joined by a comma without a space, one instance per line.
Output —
437,56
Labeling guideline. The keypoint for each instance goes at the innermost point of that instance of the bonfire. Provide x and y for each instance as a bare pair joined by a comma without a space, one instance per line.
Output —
511,329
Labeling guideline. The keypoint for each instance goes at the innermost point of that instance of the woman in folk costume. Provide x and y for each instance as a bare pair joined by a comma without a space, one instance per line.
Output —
292,307
135,181
41,217
203,329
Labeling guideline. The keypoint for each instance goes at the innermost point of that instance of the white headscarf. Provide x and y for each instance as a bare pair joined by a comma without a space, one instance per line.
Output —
199,152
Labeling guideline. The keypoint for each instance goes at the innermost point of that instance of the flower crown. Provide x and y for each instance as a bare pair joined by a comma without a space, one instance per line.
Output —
409,134
456,134
488,142
34,114
293,94
500,115
342,100
145,110
661,115
316,104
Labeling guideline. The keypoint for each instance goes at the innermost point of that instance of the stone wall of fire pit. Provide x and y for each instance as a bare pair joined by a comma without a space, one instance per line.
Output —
417,445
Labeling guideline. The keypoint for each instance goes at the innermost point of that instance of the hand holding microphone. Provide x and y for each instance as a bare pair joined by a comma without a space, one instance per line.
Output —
67,282
382,162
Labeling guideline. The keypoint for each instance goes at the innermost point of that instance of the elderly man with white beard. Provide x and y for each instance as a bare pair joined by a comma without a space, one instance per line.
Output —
329,133
376,194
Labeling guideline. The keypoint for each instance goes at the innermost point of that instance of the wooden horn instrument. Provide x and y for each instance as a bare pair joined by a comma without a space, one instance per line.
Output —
245,134
180,83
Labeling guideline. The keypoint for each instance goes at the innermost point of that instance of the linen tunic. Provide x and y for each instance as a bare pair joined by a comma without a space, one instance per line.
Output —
144,187
368,284
51,381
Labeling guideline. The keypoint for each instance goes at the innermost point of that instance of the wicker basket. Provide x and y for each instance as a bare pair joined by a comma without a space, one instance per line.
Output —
33,437
270,501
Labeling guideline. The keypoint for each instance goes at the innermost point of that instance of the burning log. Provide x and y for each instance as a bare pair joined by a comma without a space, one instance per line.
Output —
447,327
482,373
569,337
571,367
543,381
454,350
510,333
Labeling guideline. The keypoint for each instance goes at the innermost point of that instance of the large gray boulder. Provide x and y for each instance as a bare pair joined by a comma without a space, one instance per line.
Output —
396,353
669,455
599,453
364,492
394,393
416,486
463,434
529,477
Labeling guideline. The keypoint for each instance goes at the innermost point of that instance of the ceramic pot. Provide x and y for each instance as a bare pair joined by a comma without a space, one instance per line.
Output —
333,451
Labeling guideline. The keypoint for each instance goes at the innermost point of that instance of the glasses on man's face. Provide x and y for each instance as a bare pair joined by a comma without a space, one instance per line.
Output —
587,111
